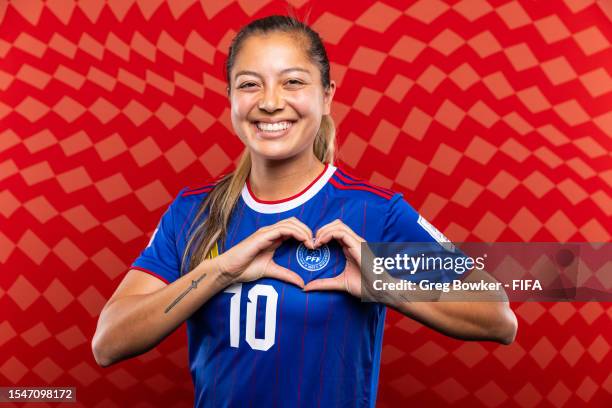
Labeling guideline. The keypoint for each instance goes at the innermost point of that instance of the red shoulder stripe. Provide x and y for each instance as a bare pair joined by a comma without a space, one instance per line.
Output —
209,183
359,179
356,187
355,180
203,188
199,191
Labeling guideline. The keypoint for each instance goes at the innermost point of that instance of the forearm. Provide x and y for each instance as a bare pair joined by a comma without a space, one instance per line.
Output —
134,324
463,314
493,321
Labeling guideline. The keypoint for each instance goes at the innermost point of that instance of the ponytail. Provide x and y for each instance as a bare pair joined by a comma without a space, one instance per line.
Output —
325,142
220,202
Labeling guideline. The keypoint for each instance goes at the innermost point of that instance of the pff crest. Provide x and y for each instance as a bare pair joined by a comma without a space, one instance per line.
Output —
312,260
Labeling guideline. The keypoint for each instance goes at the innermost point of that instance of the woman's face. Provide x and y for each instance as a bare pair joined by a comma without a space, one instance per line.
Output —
277,97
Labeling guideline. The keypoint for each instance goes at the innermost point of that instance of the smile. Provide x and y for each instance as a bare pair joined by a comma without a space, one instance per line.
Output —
273,127
272,130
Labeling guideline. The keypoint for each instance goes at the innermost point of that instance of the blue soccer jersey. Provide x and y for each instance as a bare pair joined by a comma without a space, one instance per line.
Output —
268,343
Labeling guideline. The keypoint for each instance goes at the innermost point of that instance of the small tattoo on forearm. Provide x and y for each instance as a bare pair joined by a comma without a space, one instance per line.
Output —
194,285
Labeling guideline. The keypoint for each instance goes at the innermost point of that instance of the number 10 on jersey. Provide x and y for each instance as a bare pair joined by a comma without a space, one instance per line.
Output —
251,315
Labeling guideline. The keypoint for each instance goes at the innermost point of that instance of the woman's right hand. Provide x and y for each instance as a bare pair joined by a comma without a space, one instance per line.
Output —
252,258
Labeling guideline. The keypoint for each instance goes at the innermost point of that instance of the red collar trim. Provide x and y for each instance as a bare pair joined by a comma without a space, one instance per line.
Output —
248,185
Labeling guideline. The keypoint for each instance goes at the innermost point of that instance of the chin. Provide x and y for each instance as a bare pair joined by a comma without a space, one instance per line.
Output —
273,153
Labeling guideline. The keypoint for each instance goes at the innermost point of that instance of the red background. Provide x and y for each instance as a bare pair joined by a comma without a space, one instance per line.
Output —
492,117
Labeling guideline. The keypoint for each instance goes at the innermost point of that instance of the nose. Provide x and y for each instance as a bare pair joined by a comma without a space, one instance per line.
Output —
271,100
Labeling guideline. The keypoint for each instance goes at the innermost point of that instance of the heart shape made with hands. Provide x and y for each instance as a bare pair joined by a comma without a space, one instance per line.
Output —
349,280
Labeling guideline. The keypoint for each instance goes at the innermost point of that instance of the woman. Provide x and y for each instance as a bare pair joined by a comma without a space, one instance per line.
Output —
232,257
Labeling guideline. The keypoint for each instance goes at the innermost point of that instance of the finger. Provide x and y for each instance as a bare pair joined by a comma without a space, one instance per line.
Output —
335,283
276,244
325,227
336,225
341,235
283,232
276,271
350,247
347,254
299,224
354,252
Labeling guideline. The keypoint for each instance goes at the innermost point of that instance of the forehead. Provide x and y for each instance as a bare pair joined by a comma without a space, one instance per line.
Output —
273,52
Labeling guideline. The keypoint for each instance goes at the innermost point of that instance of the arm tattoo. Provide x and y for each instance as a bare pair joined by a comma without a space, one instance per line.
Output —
194,285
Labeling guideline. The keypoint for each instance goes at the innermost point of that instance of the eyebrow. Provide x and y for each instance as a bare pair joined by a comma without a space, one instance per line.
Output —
284,71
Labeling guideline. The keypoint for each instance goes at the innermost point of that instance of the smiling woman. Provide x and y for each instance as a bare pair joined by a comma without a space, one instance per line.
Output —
266,271
277,101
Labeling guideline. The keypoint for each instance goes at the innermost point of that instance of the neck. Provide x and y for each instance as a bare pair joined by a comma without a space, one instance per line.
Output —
272,180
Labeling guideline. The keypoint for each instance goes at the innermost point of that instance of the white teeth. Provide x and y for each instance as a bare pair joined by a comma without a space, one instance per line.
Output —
273,127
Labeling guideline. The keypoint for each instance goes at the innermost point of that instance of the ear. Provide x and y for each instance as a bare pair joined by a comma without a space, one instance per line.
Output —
328,97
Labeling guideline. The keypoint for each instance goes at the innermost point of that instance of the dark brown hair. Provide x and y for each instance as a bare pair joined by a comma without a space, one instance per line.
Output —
205,231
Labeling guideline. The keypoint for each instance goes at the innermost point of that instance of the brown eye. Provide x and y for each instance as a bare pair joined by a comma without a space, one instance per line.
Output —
294,82
246,85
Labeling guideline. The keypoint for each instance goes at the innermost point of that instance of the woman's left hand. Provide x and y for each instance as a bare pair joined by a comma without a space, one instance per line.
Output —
350,278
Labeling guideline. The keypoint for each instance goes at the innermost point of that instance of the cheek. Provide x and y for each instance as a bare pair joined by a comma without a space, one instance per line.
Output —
238,114
306,105
235,118
239,108
239,111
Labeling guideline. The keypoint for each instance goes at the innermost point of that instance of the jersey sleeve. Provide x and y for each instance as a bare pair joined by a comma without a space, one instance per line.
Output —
403,224
160,257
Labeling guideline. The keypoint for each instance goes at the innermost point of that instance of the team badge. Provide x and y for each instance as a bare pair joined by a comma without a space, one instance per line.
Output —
312,260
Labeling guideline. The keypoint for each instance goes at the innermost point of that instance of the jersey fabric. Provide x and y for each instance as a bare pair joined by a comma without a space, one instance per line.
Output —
266,342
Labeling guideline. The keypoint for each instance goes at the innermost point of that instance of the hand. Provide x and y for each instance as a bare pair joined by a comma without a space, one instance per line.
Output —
252,258
349,279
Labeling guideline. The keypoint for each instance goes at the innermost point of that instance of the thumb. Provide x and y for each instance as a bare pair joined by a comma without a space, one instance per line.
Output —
276,271
335,283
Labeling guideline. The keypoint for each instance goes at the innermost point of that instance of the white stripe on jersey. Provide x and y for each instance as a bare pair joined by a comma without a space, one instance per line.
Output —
290,204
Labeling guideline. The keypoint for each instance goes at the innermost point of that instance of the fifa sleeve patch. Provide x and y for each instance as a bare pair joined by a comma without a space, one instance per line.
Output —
152,237
434,232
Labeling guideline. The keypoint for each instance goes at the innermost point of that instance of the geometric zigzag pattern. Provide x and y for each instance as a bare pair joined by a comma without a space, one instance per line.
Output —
493,117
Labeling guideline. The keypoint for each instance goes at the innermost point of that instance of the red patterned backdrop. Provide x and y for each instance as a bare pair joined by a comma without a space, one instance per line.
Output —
493,117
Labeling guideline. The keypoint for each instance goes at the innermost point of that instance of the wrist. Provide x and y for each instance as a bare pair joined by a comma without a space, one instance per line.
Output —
219,272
